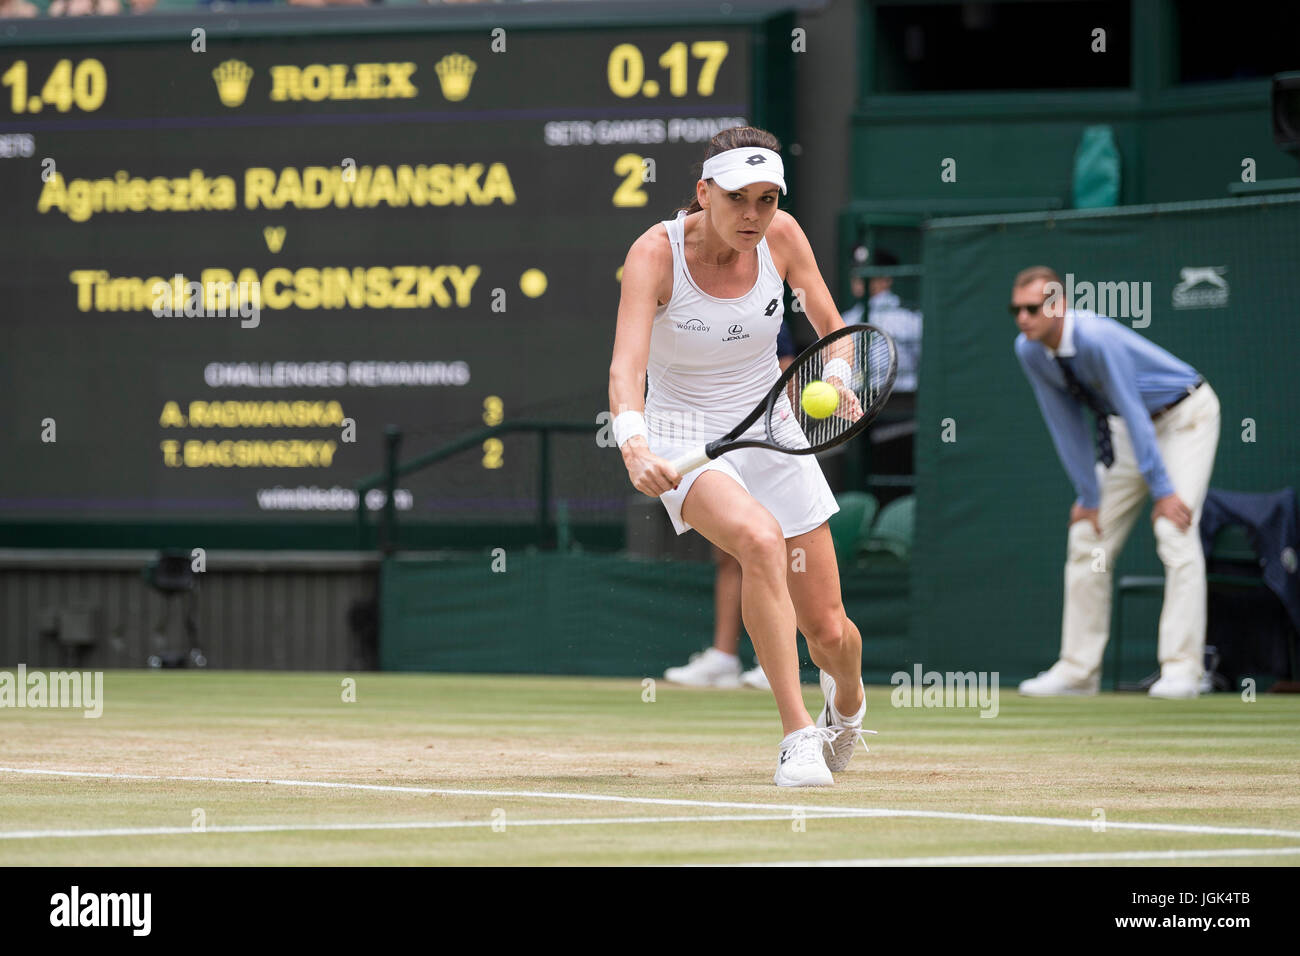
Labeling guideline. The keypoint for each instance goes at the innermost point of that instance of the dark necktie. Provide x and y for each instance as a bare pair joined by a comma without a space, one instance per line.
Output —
1105,451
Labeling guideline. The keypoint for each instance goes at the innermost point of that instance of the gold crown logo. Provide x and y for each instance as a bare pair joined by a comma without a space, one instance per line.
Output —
232,78
455,70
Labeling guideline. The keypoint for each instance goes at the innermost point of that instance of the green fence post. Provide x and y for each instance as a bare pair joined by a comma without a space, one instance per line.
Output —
361,520
563,533
544,487
392,442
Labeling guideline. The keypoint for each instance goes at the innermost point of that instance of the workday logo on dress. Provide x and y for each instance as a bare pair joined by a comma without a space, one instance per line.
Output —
692,325
1202,287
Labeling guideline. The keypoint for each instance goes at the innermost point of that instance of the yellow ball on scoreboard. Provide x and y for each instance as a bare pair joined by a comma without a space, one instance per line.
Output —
533,283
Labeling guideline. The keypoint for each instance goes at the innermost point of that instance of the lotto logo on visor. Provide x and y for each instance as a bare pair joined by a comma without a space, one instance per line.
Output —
737,168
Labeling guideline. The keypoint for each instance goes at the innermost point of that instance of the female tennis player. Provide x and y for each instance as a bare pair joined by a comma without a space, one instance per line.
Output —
699,312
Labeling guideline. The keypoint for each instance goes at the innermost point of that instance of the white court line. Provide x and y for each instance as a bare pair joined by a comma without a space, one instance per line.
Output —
1032,858
405,825
1088,823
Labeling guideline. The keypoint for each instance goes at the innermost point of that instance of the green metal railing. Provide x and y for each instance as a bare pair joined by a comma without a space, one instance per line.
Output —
393,470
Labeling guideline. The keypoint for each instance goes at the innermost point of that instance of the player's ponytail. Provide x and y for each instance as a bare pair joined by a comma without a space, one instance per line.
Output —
737,137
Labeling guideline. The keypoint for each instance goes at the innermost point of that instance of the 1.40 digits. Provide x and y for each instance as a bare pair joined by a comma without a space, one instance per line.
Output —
84,86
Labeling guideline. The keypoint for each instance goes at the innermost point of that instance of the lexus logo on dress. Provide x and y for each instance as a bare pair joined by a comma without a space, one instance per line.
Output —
736,329
737,332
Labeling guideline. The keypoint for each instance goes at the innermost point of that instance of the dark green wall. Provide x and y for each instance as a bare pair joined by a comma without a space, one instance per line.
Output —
1177,145
574,613
1176,142
1006,146
1193,142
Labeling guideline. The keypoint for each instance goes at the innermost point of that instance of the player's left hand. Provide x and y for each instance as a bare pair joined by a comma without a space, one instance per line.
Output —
1173,508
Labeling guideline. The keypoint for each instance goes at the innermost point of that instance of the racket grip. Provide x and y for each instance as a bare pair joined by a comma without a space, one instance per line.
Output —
691,460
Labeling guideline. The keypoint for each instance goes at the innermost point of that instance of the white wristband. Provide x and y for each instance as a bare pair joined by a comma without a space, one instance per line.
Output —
627,425
840,369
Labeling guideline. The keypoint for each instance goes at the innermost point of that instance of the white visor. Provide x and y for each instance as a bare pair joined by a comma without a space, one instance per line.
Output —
737,168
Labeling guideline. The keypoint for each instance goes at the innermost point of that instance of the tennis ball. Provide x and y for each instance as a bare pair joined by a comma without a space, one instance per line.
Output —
819,400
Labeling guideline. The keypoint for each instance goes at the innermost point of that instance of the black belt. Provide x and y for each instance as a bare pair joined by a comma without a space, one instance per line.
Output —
1155,416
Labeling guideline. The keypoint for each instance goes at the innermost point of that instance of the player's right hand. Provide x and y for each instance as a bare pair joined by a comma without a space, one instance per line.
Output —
649,474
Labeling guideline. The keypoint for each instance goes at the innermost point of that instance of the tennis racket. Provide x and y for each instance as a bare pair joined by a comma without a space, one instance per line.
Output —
859,361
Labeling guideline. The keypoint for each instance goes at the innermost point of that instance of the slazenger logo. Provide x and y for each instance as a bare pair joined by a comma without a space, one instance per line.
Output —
737,332
1202,287
692,325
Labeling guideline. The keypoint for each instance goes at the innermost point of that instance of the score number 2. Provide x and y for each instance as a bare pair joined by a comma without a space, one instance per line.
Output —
83,86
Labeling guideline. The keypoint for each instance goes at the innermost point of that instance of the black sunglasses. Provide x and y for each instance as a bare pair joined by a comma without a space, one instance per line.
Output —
1015,309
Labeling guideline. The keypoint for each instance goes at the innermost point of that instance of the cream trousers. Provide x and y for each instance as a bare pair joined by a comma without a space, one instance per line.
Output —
1188,437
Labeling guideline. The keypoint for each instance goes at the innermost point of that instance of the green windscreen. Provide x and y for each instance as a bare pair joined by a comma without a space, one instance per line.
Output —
993,501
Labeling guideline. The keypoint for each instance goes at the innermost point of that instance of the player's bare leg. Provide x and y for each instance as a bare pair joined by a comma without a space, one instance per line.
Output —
726,602
727,515
834,642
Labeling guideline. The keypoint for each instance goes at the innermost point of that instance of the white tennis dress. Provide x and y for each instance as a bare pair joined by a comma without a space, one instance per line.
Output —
711,361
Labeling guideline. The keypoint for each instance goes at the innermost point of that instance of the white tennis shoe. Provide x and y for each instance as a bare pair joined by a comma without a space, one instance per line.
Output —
1051,683
755,678
844,732
710,668
1175,688
801,763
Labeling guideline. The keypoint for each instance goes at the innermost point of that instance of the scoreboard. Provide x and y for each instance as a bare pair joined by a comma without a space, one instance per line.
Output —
228,264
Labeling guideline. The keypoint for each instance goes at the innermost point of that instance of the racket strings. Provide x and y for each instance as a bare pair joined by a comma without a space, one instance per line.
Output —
858,366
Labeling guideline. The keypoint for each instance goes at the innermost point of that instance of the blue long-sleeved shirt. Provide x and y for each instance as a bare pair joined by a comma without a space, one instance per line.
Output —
1132,377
